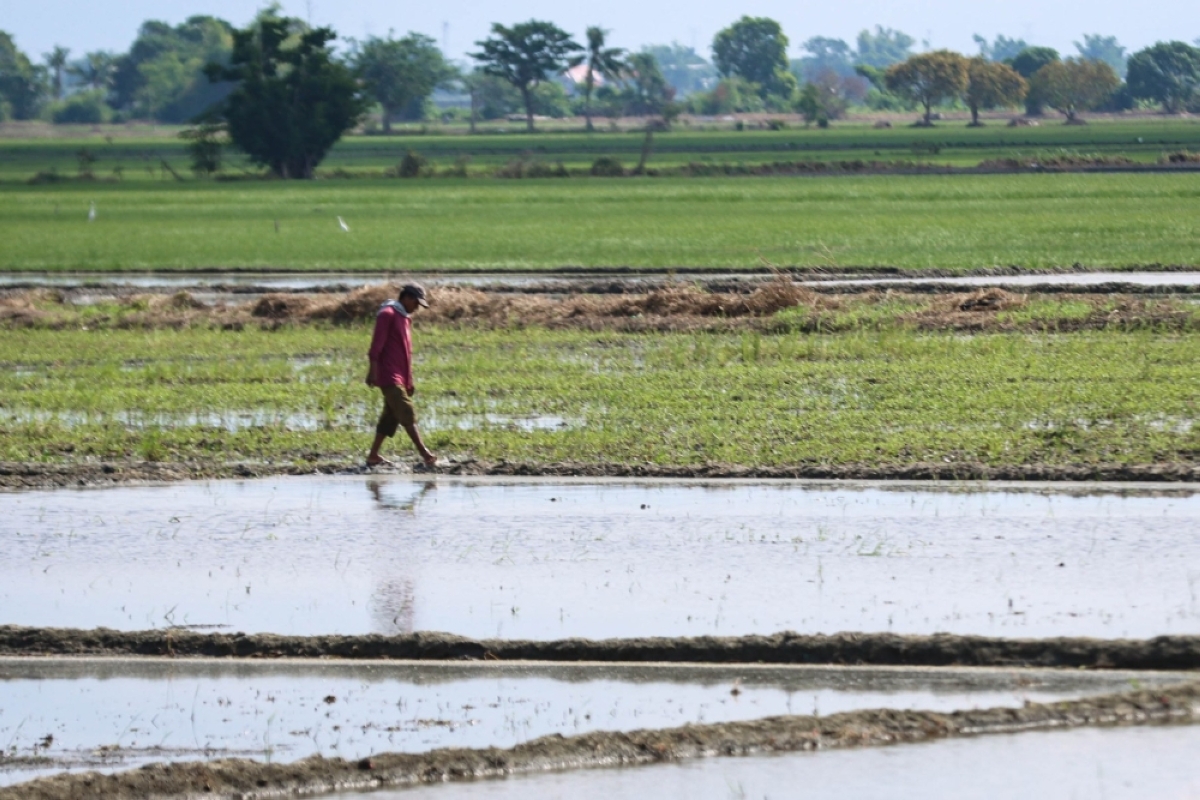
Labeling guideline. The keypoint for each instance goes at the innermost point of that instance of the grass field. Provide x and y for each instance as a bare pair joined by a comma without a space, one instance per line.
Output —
876,397
952,222
139,159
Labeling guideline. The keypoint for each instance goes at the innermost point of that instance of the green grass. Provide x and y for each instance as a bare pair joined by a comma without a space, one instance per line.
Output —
952,222
951,143
870,397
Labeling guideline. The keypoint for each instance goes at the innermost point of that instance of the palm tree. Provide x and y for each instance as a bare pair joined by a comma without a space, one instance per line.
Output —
604,61
56,61
95,69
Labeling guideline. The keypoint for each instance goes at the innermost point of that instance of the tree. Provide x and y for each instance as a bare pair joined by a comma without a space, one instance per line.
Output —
400,74
1167,73
683,68
884,47
1003,49
1075,85
56,62
755,50
1103,48
95,70
527,54
1027,63
162,76
605,62
292,101
991,84
648,92
824,55
21,85
929,78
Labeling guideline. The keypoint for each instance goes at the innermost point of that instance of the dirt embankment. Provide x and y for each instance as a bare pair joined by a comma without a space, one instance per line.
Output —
38,475
876,649
668,306
247,780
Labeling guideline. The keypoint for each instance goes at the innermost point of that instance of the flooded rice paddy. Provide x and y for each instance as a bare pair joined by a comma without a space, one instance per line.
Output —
1130,763
555,558
113,714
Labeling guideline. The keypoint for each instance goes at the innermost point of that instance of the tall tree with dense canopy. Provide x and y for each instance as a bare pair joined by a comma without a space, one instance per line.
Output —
527,54
1075,85
991,84
1167,73
824,55
755,50
292,101
1095,47
21,87
606,62
1002,49
928,79
400,74
162,76
683,67
1027,63
884,47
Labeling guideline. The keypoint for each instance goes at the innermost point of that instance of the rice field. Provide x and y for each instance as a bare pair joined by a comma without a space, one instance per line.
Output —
951,222
881,397
137,155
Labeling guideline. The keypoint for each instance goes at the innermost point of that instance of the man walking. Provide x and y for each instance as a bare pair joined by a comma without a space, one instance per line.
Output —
391,371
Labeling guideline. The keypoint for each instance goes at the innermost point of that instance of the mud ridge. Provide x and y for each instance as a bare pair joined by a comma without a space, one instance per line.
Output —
41,475
874,649
249,780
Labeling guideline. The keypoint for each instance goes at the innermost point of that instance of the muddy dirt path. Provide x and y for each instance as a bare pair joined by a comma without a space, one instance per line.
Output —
1160,653
39,475
246,779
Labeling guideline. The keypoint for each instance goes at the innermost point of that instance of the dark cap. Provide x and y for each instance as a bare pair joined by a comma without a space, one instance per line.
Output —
415,290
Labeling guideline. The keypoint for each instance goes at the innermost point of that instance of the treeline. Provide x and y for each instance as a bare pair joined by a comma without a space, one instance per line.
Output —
162,77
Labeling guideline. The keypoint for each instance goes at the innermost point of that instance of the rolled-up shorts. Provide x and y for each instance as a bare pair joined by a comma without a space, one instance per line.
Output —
398,410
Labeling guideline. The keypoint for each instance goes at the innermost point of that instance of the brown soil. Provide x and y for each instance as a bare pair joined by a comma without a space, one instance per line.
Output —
246,779
40,475
670,306
876,649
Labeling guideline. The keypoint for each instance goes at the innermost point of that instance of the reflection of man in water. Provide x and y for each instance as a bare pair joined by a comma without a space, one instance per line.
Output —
391,370
394,600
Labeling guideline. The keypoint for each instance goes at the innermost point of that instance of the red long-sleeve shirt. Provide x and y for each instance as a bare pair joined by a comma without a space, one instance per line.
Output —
391,348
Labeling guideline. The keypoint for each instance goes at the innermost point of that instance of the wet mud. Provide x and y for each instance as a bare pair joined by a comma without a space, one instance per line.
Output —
39,475
247,779
877,649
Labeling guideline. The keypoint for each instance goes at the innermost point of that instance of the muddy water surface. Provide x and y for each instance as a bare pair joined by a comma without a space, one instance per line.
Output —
116,714
548,559
1131,763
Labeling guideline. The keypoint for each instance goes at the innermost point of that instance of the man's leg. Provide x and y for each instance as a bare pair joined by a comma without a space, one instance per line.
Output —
426,454
373,457
385,428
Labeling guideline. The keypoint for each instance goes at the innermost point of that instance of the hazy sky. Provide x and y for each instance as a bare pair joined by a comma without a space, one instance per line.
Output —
112,24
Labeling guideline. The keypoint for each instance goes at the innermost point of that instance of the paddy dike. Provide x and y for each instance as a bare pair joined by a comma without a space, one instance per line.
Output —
110,714
781,734
849,649
41,475
1112,763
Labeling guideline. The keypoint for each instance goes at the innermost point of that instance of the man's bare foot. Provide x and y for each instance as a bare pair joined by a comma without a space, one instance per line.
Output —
379,461
429,458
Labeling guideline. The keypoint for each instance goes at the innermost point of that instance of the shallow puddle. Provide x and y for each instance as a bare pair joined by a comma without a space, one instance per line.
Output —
117,714
548,559
1132,763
